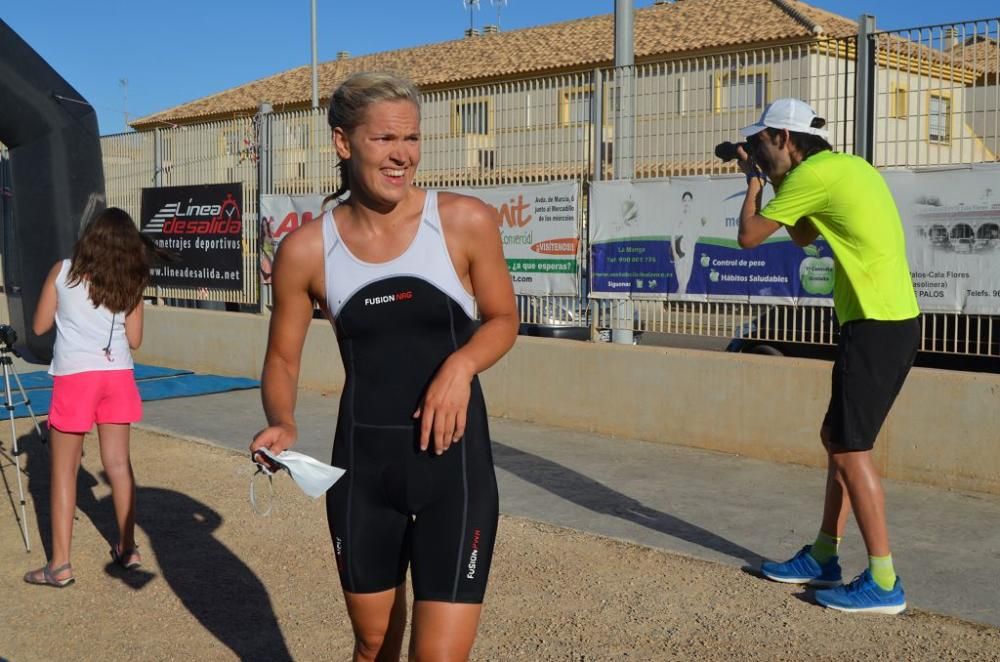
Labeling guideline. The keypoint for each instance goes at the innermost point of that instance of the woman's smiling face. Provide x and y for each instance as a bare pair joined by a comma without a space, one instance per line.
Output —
383,151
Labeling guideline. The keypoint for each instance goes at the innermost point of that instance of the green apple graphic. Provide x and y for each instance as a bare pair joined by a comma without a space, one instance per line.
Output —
705,260
713,276
815,272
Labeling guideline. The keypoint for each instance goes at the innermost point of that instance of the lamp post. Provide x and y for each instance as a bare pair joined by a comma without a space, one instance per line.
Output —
624,167
625,76
315,71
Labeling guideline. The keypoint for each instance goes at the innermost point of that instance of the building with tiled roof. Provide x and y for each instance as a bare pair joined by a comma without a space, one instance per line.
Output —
670,30
980,52
519,106
545,103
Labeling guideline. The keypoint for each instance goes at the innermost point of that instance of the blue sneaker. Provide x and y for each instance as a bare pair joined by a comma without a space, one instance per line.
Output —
864,595
804,569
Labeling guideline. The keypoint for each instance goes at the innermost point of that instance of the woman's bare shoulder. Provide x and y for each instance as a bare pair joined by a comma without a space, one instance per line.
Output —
304,240
466,213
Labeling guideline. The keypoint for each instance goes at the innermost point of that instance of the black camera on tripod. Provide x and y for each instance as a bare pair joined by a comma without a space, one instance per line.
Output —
8,336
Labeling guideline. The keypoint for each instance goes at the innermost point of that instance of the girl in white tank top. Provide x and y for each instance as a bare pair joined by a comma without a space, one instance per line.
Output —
95,302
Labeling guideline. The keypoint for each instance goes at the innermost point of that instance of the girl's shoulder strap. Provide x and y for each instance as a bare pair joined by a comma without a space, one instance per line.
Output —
67,264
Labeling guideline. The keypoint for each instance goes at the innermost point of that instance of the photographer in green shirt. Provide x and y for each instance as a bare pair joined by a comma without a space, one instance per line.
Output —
844,199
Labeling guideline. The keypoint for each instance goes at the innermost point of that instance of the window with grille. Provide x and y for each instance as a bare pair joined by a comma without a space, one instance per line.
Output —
296,135
739,91
576,105
166,149
233,142
898,103
471,117
939,119
486,158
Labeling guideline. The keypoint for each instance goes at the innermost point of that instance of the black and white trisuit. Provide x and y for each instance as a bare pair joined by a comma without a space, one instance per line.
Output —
396,323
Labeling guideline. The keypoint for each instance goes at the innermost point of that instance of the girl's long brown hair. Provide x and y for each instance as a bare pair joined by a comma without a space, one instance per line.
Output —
114,259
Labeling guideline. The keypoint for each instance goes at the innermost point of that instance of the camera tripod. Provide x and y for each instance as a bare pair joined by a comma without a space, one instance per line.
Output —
7,363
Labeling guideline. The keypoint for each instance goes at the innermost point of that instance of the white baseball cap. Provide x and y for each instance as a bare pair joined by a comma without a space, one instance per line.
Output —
790,114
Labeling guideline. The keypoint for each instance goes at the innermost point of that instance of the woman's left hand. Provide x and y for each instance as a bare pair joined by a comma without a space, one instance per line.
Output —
442,412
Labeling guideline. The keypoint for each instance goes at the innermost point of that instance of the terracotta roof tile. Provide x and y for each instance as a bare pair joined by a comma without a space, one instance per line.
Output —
979,53
684,26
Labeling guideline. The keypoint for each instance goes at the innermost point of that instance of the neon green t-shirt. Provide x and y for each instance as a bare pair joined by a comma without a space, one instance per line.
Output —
849,203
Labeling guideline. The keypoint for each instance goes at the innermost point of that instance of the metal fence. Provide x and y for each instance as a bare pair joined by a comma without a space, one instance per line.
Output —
937,99
677,111
297,154
934,100
219,152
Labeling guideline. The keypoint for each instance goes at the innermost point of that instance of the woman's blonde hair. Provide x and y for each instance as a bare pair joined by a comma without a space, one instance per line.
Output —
350,102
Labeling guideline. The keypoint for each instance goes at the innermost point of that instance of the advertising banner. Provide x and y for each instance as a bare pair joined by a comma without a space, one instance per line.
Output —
952,223
538,226
279,215
677,239
203,226
541,241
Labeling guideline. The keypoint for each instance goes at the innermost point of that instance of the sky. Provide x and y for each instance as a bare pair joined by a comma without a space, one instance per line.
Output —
134,58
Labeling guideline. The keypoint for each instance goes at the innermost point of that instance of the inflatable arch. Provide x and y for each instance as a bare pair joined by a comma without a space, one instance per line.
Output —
54,178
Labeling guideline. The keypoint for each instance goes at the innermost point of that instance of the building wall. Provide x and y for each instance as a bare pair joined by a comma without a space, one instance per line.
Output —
982,107
903,130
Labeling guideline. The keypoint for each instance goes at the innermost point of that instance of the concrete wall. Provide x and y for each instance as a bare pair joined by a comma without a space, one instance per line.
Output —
232,344
942,430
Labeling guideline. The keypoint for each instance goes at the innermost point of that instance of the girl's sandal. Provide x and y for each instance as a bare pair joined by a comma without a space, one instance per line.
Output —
46,576
128,558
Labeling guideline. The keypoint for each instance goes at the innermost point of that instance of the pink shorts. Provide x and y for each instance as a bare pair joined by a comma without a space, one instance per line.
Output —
99,396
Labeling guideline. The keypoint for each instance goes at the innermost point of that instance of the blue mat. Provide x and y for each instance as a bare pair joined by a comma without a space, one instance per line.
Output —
188,385
181,386
42,379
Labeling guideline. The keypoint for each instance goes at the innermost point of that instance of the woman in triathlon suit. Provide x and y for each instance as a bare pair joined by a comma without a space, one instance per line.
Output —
400,271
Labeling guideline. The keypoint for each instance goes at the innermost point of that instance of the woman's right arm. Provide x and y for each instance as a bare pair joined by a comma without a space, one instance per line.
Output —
298,262
45,311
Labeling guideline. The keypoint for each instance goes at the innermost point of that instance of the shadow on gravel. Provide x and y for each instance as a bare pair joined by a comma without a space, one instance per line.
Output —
212,583
587,492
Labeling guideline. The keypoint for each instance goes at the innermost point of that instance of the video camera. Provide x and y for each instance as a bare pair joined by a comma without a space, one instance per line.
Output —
8,336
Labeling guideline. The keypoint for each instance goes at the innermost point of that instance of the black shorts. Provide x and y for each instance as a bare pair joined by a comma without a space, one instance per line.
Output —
873,359
398,507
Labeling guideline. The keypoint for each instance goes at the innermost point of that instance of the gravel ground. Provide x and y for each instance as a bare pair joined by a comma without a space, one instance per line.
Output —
220,582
